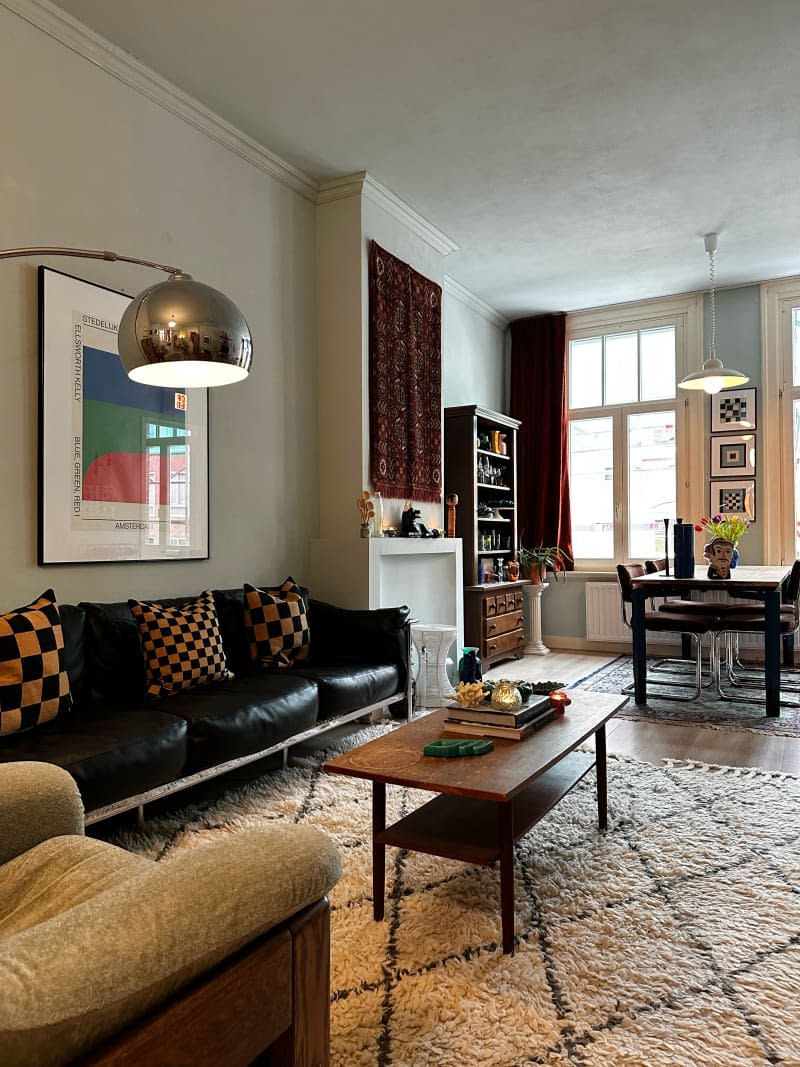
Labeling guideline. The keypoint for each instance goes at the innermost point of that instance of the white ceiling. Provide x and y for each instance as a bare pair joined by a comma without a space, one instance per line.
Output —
575,150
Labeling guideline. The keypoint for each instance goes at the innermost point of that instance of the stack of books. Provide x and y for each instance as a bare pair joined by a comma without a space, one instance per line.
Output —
484,721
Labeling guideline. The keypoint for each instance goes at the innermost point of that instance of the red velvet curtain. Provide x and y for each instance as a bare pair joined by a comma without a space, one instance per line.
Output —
405,380
539,401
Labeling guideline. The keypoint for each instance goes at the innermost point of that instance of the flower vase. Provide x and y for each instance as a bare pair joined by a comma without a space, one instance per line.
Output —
735,557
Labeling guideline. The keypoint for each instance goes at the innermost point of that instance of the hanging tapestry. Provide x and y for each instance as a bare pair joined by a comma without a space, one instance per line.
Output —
405,380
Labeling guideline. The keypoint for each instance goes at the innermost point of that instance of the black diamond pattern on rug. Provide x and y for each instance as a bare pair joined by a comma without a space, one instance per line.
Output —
671,940
707,710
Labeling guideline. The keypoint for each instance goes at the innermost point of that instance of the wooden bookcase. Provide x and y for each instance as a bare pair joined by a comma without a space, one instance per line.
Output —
486,479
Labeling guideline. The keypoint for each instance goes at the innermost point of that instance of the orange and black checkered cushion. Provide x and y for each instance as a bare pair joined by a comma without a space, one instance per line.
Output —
181,646
34,686
277,624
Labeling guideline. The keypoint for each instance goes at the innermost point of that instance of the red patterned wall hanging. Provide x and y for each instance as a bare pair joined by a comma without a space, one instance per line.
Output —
405,380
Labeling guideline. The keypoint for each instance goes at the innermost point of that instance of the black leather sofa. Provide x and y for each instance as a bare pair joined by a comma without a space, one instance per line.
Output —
125,750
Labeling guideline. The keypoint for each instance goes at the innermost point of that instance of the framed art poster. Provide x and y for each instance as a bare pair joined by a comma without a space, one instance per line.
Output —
123,467
733,409
732,497
733,455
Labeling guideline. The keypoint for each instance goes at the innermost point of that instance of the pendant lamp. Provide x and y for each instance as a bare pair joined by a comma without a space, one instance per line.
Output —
713,376
177,333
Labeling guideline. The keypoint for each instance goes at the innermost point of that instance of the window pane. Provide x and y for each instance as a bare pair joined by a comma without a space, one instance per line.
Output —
622,368
586,373
591,479
658,363
651,481
796,346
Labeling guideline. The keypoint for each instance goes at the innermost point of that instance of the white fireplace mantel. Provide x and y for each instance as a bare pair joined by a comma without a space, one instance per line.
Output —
426,573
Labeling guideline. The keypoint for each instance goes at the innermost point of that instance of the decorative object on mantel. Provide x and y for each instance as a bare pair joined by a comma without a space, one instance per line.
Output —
405,392
376,525
452,501
412,527
712,377
367,509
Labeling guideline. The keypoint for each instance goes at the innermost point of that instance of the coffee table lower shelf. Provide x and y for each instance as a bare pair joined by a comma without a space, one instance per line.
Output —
474,830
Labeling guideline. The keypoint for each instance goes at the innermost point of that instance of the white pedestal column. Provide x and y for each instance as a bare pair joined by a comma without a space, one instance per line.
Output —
533,619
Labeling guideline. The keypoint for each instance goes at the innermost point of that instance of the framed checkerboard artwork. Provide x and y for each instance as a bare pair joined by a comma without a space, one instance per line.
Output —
733,497
733,409
733,455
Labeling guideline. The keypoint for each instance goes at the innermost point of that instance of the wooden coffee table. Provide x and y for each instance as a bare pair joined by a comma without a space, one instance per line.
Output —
485,803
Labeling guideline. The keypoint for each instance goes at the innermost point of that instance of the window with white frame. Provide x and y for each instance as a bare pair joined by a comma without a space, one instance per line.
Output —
629,462
779,487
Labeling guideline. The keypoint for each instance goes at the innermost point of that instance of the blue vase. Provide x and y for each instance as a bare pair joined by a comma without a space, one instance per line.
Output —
735,558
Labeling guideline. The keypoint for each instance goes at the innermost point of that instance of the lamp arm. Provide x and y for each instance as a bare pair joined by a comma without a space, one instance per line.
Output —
86,253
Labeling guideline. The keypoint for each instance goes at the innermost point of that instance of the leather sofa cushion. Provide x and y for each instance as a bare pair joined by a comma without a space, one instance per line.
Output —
347,686
340,635
244,715
73,627
111,753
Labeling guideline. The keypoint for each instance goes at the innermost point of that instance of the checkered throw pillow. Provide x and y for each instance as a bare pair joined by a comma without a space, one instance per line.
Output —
277,624
34,686
182,646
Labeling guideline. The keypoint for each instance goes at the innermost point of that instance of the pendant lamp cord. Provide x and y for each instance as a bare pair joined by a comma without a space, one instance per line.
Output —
713,305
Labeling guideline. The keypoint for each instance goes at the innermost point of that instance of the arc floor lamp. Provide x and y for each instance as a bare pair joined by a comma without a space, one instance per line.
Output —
178,332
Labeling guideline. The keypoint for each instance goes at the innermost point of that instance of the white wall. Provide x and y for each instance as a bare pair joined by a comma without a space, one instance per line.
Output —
473,353
89,162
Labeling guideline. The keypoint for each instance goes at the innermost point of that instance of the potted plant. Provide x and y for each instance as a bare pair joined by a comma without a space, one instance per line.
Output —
536,562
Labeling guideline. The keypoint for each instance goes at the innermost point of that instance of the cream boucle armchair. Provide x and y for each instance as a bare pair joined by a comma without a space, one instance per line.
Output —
213,957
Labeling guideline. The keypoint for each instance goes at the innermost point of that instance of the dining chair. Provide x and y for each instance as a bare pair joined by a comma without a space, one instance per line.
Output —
695,624
754,622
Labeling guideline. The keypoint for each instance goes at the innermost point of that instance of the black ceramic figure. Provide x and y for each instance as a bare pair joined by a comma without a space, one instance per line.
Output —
412,527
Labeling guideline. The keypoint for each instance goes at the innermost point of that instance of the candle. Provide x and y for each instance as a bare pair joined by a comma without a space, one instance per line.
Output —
559,700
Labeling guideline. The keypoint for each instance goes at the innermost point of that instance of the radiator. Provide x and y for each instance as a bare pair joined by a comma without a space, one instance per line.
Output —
604,617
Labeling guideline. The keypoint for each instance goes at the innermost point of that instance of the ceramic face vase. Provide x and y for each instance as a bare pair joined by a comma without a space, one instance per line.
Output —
719,553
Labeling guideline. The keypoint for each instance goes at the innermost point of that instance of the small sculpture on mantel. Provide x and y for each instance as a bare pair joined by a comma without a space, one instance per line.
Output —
367,509
719,553
452,501
412,527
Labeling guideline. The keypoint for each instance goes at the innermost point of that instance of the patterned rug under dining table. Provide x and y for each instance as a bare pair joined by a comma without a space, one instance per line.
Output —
484,803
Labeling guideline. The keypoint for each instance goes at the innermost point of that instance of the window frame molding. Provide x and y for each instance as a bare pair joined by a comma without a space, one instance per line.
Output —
685,312
776,431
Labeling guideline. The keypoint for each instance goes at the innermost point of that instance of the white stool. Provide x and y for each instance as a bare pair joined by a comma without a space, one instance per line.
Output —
432,642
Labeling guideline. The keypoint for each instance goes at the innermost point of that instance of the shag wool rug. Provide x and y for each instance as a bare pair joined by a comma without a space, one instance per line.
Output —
672,940
707,710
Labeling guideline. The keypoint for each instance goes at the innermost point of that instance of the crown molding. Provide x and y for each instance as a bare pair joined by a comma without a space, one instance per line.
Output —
474,303
362,184
76,36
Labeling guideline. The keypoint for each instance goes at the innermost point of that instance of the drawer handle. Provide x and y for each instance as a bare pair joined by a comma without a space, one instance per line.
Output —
492,647
492,628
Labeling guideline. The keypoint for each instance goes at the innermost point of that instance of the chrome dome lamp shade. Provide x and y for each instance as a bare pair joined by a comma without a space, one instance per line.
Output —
183,333
178,333
713,376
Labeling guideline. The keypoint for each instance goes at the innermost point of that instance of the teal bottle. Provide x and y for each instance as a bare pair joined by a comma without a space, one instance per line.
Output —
469,666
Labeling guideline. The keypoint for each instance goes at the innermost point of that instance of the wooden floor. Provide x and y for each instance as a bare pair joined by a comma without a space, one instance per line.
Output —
652,742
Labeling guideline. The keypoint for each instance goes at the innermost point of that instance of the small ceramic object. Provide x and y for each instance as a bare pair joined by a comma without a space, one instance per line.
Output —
719,553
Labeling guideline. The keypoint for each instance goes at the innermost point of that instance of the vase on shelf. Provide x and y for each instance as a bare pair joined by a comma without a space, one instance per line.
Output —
735,557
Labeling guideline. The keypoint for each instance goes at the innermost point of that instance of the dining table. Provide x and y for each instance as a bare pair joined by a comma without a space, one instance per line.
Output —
759,583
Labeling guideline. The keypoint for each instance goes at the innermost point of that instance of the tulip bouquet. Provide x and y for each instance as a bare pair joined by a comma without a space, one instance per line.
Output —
731,527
